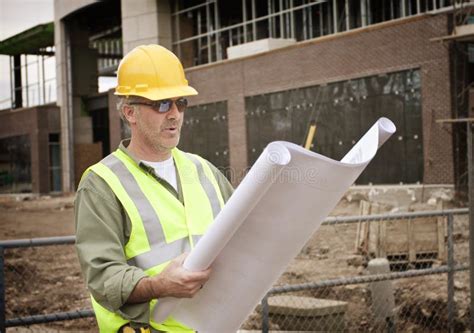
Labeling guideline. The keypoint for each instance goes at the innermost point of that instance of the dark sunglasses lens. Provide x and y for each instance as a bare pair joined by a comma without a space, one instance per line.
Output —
181,104
165,105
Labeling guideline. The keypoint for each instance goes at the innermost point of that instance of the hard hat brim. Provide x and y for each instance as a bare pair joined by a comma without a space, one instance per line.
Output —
155,94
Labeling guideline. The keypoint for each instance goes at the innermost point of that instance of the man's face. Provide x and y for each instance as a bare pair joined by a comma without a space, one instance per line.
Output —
161,131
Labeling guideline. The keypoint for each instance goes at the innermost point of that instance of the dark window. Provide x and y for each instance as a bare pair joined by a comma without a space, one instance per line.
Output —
343,112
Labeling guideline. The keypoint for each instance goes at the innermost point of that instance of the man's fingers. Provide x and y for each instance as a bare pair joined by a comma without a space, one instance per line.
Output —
200,277
181,258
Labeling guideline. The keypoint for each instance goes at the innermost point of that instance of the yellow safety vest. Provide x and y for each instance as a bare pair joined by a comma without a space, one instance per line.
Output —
162,227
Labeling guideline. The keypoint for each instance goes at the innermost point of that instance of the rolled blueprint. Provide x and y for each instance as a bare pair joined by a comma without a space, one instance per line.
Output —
277,207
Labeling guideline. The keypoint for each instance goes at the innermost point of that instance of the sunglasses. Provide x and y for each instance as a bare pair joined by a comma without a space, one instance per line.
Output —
165,105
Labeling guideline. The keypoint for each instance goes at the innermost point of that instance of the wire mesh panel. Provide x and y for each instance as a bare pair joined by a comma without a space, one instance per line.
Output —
44,281
330,286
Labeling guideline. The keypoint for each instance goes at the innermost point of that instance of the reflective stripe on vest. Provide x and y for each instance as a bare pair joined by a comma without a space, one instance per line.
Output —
206,184
120,166
162,227
161,253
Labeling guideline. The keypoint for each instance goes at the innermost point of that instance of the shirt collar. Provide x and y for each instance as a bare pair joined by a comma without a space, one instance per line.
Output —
123,147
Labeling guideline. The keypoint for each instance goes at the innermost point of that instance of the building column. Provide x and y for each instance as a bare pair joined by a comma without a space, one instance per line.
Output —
237,137
76,68
17,81
115,127
149,23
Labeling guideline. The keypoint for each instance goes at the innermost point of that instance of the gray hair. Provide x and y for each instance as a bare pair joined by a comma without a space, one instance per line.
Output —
126,100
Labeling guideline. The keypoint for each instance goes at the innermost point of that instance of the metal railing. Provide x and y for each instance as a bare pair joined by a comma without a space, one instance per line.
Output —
351,290
36,318
449,269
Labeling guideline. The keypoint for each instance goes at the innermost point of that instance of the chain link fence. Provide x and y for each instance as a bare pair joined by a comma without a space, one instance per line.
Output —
334,284
40,282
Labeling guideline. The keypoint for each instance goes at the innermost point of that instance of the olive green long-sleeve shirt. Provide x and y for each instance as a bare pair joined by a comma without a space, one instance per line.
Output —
103,229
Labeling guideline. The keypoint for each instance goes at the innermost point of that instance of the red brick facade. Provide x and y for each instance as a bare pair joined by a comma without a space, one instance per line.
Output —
386,47
36,122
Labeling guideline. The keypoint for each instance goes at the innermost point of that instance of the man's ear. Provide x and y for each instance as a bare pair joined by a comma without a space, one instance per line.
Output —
130,113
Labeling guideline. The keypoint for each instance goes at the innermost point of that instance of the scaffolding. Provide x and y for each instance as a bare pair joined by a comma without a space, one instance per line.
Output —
38,80
203,30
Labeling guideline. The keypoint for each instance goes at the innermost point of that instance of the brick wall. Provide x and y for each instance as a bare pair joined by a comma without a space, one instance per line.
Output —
37,123
382,48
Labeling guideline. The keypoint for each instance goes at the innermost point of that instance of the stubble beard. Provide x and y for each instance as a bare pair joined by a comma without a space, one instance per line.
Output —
155,139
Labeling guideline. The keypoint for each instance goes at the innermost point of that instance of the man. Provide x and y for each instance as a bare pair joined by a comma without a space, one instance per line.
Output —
143,207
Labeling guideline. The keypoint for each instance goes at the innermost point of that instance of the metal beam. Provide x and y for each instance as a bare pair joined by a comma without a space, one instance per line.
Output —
12,82
244,18
321,20
178,34
178,12
470,168
261,18
217,24
199,41
455,120
254,24
363,13
209,32
369,13
282,31
346,12
17,81
305,23
38,72
292,20
270,21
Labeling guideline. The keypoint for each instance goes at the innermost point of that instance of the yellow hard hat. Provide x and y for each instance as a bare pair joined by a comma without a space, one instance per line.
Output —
153,72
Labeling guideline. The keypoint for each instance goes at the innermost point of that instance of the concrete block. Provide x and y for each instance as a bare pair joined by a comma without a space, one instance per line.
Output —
129,29
258,46
305,306
295,313
137,8
383,301
148,26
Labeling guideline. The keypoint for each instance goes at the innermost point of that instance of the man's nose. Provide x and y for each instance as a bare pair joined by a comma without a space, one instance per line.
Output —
173,113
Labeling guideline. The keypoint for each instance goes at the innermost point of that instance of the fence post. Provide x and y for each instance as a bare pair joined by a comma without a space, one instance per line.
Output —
2,291
383,301
265,319
470,169
450,274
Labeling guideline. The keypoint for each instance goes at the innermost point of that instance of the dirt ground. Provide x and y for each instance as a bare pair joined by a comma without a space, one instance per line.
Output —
47,279
42,279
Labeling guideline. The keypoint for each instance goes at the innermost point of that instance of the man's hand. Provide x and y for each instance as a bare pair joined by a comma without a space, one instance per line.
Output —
173,281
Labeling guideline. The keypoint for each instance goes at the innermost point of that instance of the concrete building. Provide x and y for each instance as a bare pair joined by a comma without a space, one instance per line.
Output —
264,70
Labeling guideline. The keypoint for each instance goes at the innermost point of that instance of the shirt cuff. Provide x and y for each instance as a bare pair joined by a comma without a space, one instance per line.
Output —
118,289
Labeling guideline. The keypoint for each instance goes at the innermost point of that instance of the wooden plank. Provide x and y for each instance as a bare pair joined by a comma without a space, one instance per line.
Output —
362,236
397,237
383,239
442,233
